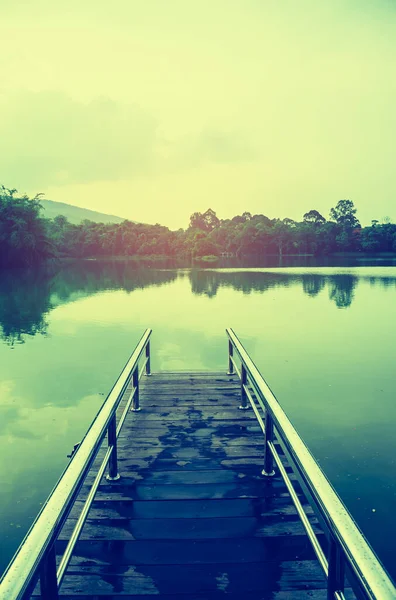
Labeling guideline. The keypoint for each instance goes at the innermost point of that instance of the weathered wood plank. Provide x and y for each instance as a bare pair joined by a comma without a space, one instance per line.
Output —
211,436
189,452
249,464
126,494
172,401
241,424
191,495
226,578
185,529
208,414
269,508
187,552
187,477
317,594
139,491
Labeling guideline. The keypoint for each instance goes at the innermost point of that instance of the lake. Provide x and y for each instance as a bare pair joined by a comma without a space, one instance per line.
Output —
323,337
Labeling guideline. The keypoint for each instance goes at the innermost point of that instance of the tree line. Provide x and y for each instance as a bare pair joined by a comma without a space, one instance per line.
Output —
28,238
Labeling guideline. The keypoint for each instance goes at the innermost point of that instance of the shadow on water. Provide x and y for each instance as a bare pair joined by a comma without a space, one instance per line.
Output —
28,296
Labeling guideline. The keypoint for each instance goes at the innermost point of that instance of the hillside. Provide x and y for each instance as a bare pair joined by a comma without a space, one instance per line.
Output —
75,214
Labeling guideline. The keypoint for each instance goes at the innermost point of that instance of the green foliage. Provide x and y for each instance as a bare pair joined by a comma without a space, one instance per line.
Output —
313,216
26,238
23,234
206,221
344,214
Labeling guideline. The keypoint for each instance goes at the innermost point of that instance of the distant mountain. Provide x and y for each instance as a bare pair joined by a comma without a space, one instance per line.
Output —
75,214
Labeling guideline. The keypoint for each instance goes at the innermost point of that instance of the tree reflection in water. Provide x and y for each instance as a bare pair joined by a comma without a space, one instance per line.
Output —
28,296
341,287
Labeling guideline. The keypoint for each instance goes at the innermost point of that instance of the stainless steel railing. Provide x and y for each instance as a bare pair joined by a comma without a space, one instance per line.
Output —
347,549
35,558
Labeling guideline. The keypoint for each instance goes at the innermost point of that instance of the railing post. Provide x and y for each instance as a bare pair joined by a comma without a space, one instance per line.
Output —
268,470
135,383
48,580
113,474
230,355
148,359
244,399
336,574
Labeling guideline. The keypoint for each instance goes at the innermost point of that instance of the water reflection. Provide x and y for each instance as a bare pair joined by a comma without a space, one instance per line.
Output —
313,284
27,297
329,359
24,303
341,287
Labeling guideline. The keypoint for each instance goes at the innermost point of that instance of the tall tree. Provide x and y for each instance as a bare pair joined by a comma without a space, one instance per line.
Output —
344,214
313,216
23,234
206,221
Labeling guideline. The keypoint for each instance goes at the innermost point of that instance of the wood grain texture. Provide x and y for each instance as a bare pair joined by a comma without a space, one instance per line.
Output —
191,517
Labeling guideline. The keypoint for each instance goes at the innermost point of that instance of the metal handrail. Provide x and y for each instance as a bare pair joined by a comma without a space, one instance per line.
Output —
347,546
36,554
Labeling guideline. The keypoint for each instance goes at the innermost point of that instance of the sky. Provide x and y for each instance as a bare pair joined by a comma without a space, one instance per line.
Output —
154,110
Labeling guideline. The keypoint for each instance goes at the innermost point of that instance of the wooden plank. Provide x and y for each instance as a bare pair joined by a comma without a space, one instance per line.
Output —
191,494
196,411
250,464
221,391
162,465
226,578
185,529
317,594
186,552
128,494
193,431
157,389
189,400
207,414
189,451
139,491
223,431
174,402
190,372
243,423
269,508
180,376
186,477
189,382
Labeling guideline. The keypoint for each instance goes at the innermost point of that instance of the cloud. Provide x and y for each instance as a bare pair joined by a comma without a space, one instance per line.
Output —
262,106
216,145
47,138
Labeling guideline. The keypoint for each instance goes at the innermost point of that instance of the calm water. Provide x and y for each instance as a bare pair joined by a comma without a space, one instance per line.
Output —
324,338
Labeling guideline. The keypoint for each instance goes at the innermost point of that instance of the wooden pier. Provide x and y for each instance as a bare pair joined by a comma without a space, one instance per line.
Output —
210,493
191,516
